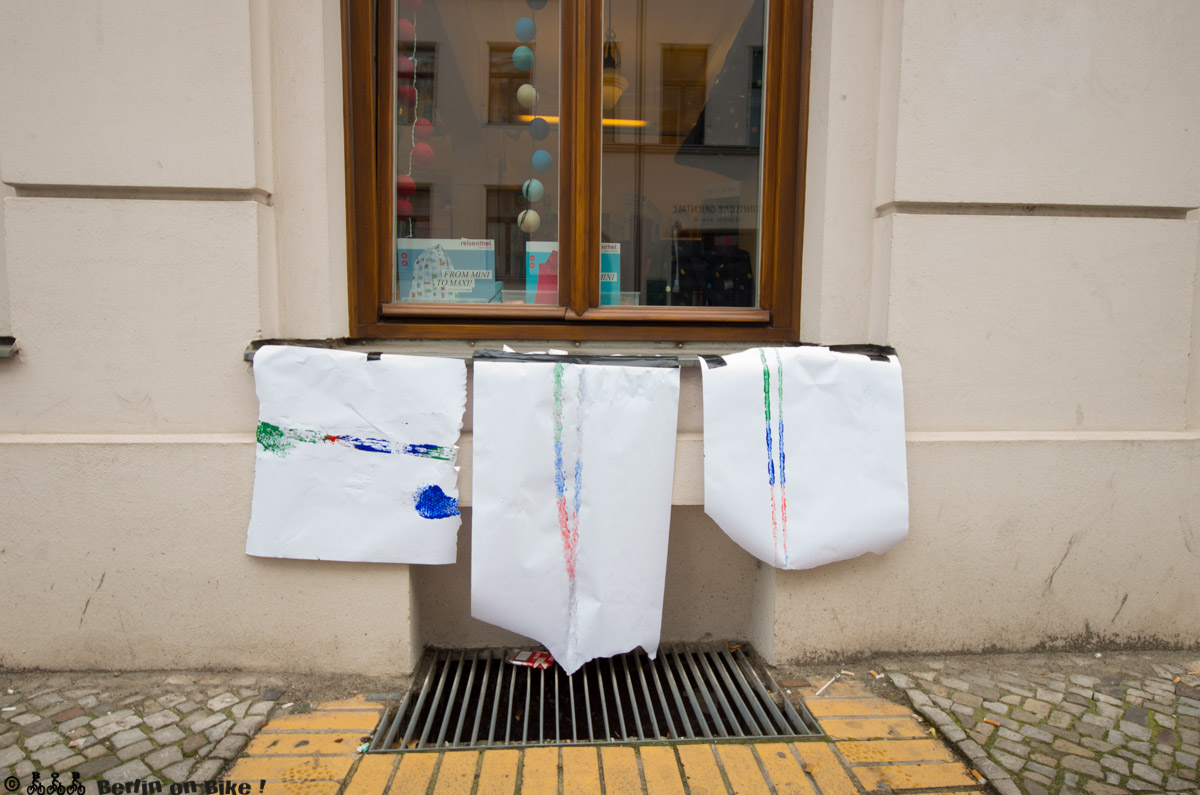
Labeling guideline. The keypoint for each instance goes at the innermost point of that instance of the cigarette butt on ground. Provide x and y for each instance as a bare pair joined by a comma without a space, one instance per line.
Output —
993,722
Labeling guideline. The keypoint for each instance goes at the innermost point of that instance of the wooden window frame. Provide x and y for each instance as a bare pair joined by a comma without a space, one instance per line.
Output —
367,33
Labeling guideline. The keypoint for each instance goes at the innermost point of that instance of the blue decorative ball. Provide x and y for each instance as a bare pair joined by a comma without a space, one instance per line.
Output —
536,5
539,128
541,161
522,58
525,29
533,190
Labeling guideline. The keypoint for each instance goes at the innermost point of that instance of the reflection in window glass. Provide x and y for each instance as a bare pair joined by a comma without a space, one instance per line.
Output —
476,151
682,107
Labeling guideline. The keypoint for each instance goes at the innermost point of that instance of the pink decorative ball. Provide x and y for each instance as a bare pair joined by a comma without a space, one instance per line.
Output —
406,95
404,68
404,208
422,154
405,185
406,33
410,5
423,128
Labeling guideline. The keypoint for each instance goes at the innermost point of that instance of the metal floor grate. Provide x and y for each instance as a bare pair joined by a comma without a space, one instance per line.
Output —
474,698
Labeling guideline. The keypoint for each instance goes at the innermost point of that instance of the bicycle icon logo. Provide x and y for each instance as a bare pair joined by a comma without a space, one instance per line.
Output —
53,787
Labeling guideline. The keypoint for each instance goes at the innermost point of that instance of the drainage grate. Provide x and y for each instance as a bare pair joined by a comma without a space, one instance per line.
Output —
475,699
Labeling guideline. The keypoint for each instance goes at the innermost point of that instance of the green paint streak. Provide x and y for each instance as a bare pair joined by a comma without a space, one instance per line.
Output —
766,386
558,401
273,439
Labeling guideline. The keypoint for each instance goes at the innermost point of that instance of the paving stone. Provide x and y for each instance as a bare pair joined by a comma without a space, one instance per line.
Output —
10,756
249,726
1006,787
48,756
222,701
68,763
1098,788
1089,767
1135,730
216,733
161,718
212,720
97,766
1137,715
95,751
230,747
208,770
194,743
264,708
1071,748
137,749
186,707
1186,759
179,771
164,757
42,740
75,723
132,769
127,737
168,735
111,717
1147,773
80,743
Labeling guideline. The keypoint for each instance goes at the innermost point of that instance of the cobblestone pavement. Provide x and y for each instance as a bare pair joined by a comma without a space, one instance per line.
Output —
166,727
1100,724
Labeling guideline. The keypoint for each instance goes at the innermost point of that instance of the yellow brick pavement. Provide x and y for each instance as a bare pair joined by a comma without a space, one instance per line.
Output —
872,745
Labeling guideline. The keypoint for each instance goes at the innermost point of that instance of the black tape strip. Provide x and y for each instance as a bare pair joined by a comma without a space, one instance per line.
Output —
878,353
374,356
619,361
713,361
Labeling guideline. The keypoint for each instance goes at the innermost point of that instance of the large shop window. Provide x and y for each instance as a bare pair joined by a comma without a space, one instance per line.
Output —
576,169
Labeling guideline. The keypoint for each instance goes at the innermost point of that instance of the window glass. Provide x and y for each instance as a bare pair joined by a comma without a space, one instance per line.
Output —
680,169
476,151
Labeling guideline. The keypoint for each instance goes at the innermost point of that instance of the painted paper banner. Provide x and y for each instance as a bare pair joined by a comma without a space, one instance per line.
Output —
356,456
804,459
573,464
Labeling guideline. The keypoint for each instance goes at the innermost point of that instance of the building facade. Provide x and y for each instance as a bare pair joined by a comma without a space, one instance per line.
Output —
1006,193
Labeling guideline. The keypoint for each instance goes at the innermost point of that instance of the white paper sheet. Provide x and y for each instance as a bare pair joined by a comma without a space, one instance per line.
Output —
804,460
356,458
572,474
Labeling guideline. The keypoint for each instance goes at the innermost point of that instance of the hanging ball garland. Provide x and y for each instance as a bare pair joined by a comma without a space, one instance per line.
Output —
541,161
423,129
406,95
422,154
405,186
525,29
404,68
536,5
539,129
529,221
533,190
527,96
406,32
404,209
522,58
410,5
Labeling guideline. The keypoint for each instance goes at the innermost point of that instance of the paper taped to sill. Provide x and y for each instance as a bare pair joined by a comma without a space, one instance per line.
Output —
804,459
356,456
572,471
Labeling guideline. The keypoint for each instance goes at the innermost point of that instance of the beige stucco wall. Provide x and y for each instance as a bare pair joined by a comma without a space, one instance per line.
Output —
1006,192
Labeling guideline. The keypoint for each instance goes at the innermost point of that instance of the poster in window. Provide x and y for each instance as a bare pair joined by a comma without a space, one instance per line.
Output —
446,270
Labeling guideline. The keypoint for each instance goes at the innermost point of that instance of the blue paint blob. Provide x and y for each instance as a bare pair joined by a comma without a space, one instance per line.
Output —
539,129
541,161
522,58
525,29
433,503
